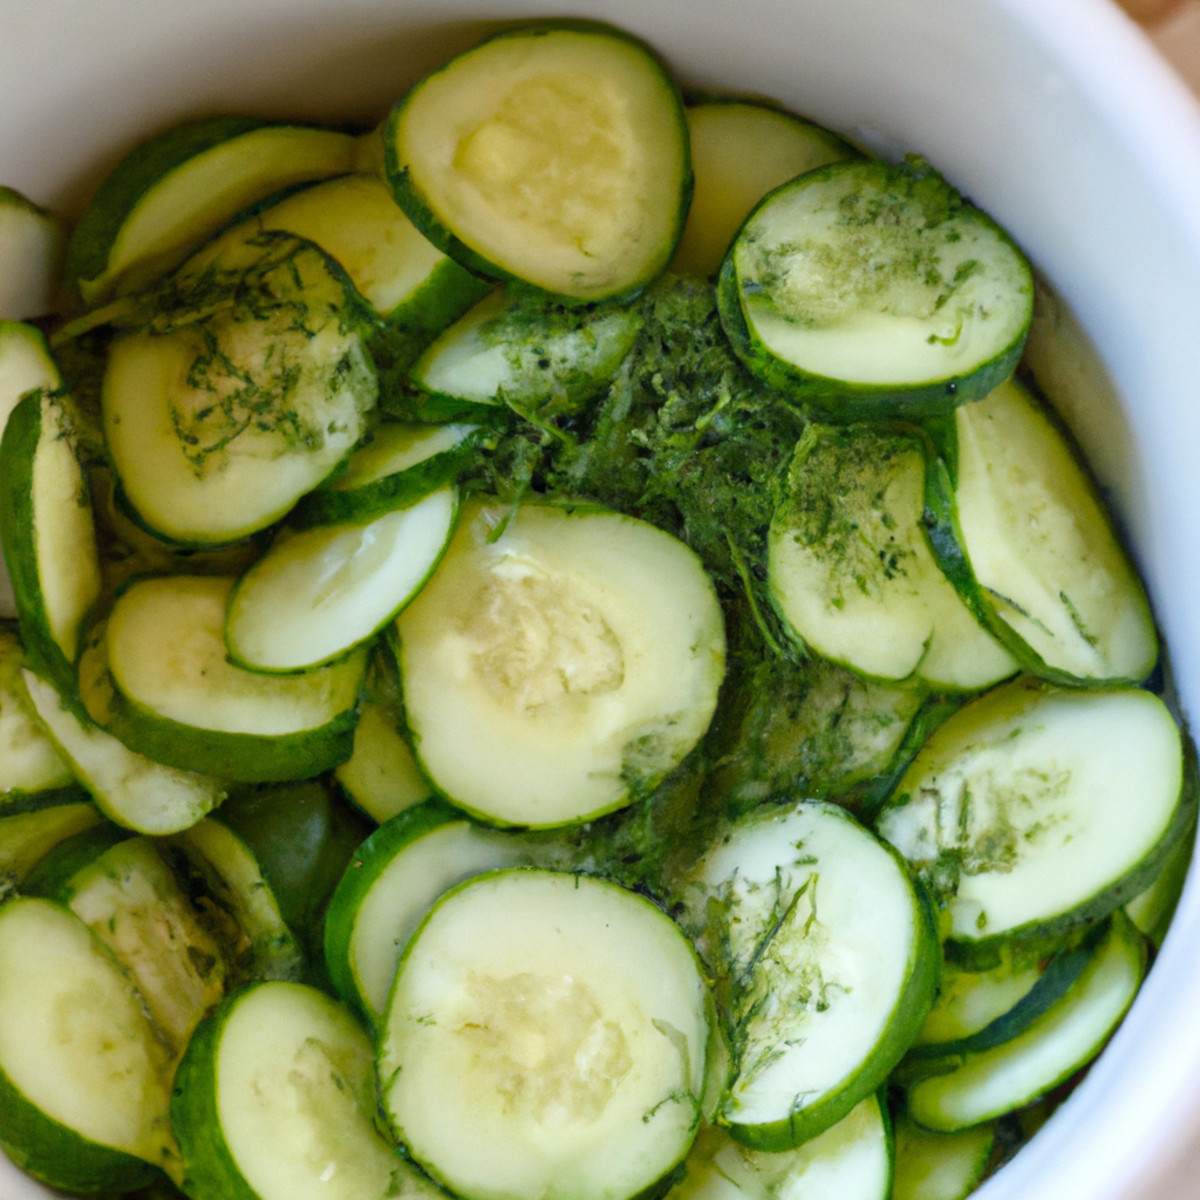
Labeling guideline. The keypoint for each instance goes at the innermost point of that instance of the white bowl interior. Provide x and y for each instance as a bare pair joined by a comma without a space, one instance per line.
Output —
1056,118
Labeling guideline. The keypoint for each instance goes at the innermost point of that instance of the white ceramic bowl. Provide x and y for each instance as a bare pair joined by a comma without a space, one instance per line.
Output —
1055,115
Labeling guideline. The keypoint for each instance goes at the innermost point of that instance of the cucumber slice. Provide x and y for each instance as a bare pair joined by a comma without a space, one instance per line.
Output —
32,772
131,901
939,1166
826,960
850,568
852,1160
226,882
1151,910
247,386
381,776
538,357
398,465
47,530
741,150
26,364
131,790
26,838
546,1037
554,153
83,1079
1021,531
559,662
1066,1037
274,1100
932,303
318,593
414,288
396,877
1016,811
174,696
174,191
32,242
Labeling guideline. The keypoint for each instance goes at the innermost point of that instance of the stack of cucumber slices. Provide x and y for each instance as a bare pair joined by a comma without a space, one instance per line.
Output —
557,652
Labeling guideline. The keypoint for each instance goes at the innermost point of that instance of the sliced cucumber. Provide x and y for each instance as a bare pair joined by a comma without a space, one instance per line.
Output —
131,790
1065,1038
851,571
398,465
554,153
381,776
26,365
83,1079
741,150
130,899
930,305
171,693
31,249
1151,910
246,387
826,960
26,838
47,530
559,661
175,190
1017,813
414,288
852,1160
1021,531
546,1037
318,593
32,772
396,877
274,1100
226,882
540,358
939,1166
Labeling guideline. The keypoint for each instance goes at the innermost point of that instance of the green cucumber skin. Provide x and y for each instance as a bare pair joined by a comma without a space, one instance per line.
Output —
18,447
910,1010
14,804
949,549
420,211
61,1158
209,1171
360,876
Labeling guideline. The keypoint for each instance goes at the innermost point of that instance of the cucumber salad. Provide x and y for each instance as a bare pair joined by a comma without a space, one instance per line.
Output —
558,652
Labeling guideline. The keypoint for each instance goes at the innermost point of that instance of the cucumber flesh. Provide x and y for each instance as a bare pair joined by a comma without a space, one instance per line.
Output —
828,959
741,150
850,1161
31,250
1066,1037
275,1100
1016,811
850,568
381,776
555,154
552,672
939,1166
84,1079
320,592
931,309
546,1037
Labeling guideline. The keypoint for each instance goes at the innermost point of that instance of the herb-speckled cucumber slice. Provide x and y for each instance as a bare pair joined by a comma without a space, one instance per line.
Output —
932,303
1017,813
175,190
275,1099
83,1078
528,997
741,150
555,153
559,661
1061,1041
851,1160
850,568
1020,530
396,877
170,692
826,958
